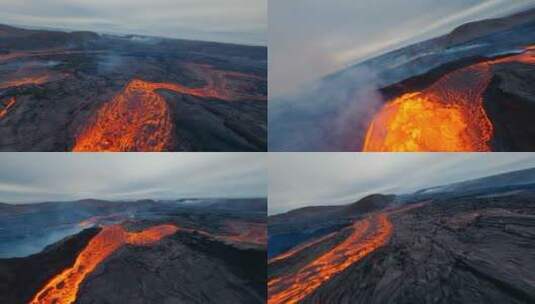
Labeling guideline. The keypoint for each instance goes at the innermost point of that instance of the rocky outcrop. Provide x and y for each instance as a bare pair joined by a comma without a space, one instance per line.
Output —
185,268
510,104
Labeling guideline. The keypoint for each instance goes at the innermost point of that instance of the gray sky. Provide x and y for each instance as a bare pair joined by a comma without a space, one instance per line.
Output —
237,21
38,177
311,38
306,179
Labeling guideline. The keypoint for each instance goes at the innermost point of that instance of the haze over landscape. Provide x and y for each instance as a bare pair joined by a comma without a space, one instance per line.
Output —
299,180
62,176
310,39
235,21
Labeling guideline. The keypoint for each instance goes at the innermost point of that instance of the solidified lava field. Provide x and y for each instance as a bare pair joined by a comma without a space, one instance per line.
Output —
82,91
470,242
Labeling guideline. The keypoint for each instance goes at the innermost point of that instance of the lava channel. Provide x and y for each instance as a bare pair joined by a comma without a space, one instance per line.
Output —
63,288
447,116
368,235
137,119
7,105
292,252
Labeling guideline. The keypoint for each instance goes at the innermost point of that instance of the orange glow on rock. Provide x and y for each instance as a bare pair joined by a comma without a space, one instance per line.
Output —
63,288
368,235
8,104
447,116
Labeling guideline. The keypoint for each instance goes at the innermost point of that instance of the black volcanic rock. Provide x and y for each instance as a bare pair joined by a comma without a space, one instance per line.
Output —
215,125
179,269
510,104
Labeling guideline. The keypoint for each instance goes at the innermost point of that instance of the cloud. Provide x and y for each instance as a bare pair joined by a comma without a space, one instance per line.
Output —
38,177
304,179
237,21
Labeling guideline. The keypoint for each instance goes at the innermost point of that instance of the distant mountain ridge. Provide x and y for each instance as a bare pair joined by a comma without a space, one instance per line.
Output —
511,178
366,204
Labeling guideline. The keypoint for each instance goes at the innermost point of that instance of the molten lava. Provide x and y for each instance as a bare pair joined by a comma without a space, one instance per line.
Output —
7,105
297,249
368,235
63,288
447,116
45,52
139,119
218,82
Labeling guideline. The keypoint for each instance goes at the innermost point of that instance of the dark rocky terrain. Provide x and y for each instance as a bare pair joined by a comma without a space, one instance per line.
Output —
216,256
335,113
21,277
55,85
468,242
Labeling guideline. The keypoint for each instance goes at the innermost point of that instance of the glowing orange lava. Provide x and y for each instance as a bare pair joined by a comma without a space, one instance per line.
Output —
368,235
447,116
297,249
63,288
8,104
139,119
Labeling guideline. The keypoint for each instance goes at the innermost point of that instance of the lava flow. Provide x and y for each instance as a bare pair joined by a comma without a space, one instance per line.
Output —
137,119
39,79
368,235
447,116
8,104
297,249
63,288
